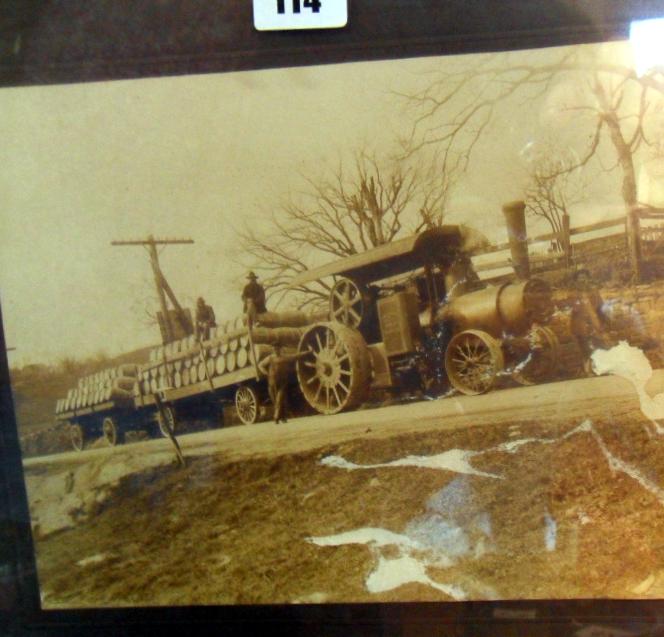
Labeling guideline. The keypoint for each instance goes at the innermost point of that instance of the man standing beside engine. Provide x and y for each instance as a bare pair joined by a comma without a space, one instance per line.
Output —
278,368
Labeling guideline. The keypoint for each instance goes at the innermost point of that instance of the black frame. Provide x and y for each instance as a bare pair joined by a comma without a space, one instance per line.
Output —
60,41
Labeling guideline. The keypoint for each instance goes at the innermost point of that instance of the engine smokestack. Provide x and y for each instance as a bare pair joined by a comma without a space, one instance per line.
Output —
515,220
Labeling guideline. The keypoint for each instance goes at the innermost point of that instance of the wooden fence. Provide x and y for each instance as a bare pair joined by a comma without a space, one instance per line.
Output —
651,244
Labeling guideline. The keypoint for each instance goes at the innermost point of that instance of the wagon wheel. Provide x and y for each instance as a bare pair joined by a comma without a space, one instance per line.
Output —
77,436
335,372
542,359
112,432
167,421
247,404
347,304
473,359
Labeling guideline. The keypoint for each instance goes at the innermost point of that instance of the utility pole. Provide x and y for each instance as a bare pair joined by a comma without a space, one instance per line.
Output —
163,288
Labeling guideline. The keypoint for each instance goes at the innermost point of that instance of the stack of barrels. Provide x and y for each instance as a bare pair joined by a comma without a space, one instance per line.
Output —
187,362
117,384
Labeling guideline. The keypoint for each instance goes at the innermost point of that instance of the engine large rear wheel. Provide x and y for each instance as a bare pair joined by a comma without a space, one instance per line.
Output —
473,360
335,373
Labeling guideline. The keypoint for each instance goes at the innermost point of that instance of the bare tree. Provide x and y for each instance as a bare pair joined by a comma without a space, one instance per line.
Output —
455,110
553,188
611,100
360,205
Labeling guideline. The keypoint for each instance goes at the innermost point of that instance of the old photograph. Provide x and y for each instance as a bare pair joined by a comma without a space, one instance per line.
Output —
370,332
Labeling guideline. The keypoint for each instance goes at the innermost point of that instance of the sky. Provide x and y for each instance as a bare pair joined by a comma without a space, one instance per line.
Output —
193,157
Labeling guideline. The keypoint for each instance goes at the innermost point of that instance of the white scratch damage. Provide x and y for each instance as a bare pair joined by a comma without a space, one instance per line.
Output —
392,573
455,460
630,363
371,536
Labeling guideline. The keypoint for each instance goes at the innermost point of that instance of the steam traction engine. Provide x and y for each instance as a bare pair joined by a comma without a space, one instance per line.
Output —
414,312
408,315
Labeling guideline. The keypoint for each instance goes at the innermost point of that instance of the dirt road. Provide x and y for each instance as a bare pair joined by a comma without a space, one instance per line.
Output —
547,491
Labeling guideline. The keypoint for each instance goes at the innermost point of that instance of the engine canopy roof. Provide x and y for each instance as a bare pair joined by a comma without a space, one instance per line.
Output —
438,246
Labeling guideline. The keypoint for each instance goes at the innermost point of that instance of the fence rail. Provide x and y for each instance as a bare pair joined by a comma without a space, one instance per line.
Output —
648,236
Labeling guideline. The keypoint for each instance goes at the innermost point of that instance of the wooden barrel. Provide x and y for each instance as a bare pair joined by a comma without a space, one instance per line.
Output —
177,365
153,385
283,319
201,371
210,366
186,376
261,352
136,389
244,339
220,364
234,345
231,361
284,336
213,351
187,362
193,374
146,386
123,383
223,348
177,379
242,357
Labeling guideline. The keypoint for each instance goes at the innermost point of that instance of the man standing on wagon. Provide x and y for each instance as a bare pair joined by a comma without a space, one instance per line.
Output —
253,298
205,319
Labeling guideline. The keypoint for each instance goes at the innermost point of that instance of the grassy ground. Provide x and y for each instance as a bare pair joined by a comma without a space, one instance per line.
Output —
237,533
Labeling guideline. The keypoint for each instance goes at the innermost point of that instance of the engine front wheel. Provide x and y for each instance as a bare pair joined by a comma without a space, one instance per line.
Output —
473,360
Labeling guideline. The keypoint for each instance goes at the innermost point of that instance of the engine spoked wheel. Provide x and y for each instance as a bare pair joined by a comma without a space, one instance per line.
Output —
541,361
335,372
473,360
247,404
112,432
347,303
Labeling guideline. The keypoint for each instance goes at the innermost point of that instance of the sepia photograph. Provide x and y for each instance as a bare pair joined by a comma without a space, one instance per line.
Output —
384,331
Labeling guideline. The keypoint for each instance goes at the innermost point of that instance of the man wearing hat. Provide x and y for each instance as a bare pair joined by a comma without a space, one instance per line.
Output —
253,298
205,319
